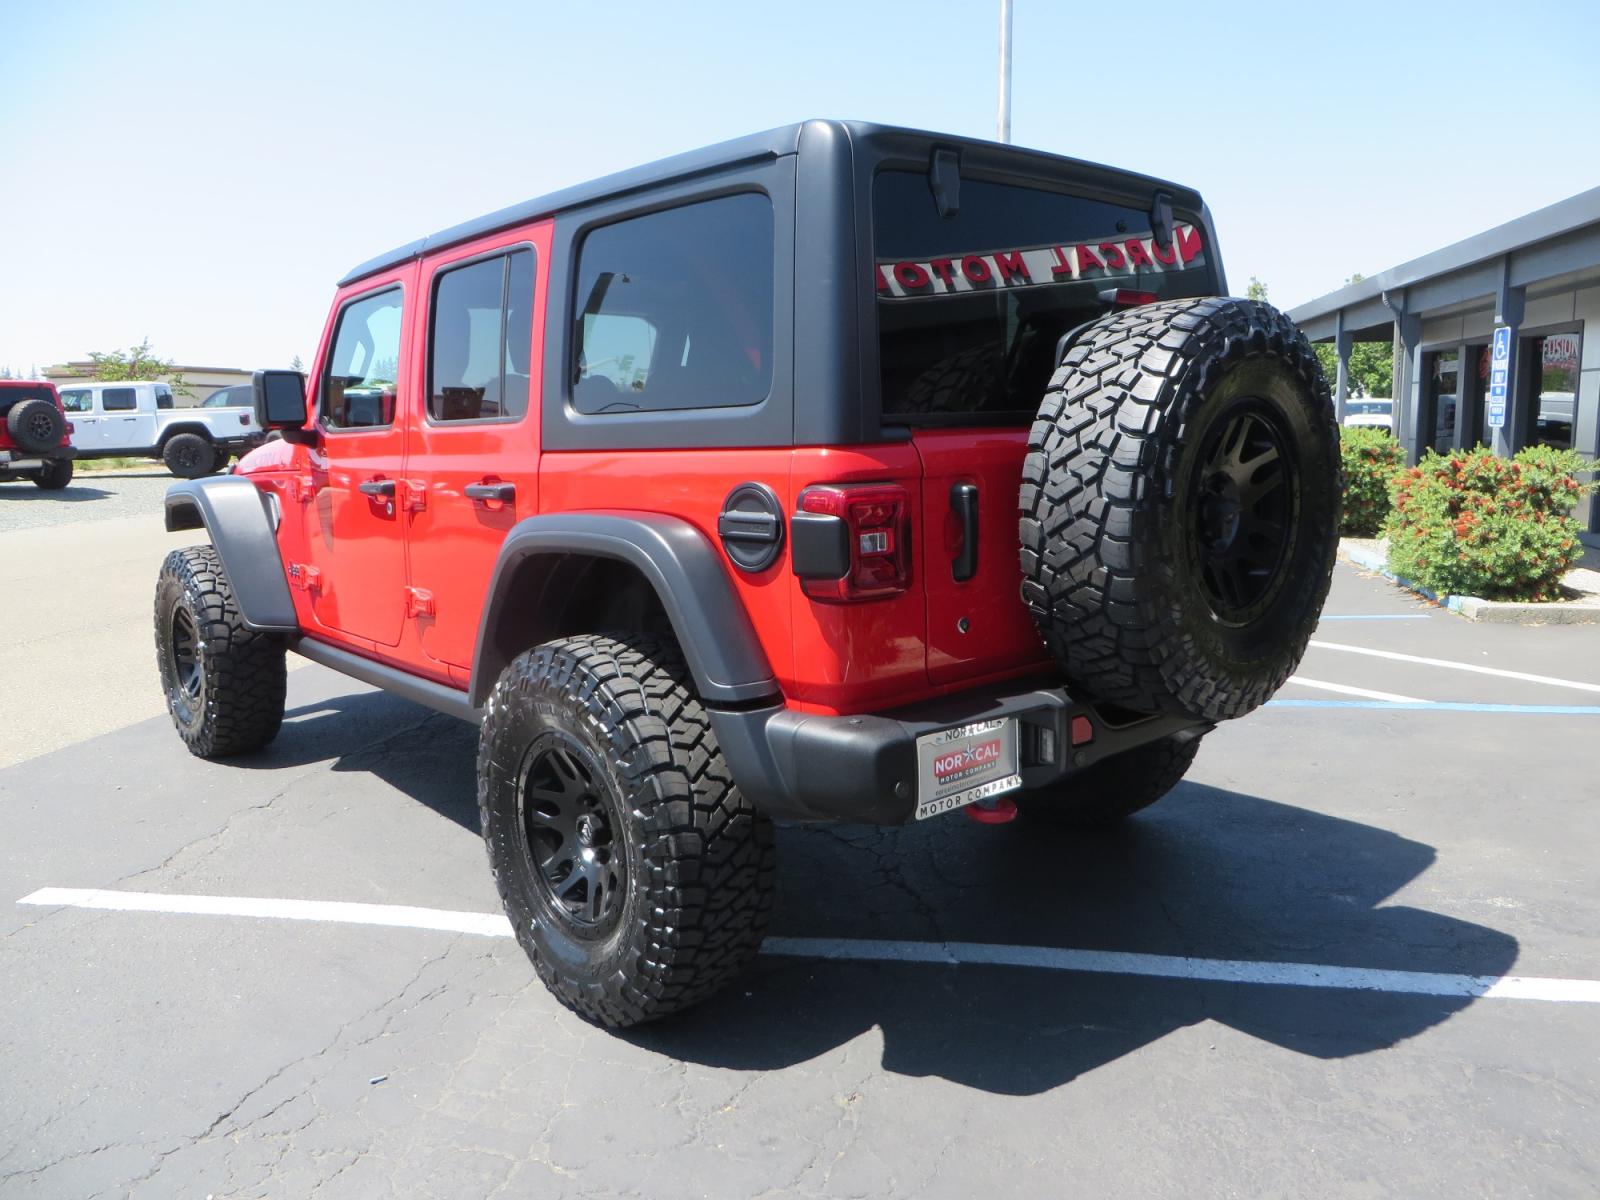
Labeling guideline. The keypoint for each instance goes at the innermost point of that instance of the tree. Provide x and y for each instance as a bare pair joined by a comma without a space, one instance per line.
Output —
1256,290
139,363
1371,367
296,365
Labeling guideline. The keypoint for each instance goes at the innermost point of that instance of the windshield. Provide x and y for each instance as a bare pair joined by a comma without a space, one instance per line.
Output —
972,305
1368,408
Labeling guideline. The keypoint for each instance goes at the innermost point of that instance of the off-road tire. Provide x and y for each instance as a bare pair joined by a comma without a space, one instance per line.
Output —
233,702
36,425
1125,512
697,860
189,456
54,475
1114,789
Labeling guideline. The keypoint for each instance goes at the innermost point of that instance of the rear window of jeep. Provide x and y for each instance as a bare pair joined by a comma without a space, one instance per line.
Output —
676,309
971,305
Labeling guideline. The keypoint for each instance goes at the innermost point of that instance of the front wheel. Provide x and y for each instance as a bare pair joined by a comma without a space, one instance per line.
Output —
1115,788
224,682
638,878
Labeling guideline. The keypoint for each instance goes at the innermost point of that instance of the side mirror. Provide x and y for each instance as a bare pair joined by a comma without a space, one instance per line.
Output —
279,398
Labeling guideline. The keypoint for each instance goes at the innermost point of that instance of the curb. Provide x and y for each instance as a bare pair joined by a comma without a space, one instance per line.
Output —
1475,608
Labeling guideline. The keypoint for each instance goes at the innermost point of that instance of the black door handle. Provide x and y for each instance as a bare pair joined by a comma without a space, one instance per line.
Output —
377,487
964,503
505,493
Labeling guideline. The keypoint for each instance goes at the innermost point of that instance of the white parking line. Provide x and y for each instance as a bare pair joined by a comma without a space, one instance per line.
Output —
1343,689
1049,958
1458,666
344,912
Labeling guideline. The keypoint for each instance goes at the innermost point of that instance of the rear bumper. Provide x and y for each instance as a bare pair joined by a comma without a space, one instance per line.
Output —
22,460
864,768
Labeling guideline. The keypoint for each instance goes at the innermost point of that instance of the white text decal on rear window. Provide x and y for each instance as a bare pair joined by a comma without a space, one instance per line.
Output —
1039,266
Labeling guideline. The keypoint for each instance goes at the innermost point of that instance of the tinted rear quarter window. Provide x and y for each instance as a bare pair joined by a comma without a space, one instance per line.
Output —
972,305
675,309
479,340
119,399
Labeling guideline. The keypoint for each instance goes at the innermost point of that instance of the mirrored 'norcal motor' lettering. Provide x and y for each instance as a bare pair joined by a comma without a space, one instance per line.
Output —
1116,257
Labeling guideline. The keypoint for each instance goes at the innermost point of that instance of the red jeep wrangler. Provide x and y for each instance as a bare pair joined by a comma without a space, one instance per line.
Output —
698,486
35,436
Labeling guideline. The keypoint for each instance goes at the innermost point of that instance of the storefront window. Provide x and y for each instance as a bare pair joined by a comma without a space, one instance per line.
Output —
1555,365
1439,412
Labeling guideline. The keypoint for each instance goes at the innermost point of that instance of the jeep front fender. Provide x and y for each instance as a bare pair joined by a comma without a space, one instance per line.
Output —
676,559
242,524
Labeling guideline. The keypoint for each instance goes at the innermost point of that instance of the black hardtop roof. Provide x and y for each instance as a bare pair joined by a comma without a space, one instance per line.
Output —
773,143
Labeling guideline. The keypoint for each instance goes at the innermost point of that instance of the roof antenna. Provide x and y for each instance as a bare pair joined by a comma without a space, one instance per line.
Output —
1003,116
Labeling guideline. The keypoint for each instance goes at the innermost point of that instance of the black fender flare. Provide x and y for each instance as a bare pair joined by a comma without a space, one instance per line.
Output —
719,643
242,521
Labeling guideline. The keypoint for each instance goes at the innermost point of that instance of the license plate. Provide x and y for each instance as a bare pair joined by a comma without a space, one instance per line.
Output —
956,767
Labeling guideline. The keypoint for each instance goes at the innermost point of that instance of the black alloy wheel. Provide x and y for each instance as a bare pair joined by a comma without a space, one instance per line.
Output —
1245,504
185,648
39,426
572,837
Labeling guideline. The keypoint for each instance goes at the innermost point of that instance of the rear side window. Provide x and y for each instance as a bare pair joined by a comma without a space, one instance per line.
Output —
675,309
78,400
358,384
163,398
478,340
119,399
972,305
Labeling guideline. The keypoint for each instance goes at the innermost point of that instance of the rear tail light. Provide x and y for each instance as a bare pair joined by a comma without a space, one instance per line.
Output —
71,429
867,540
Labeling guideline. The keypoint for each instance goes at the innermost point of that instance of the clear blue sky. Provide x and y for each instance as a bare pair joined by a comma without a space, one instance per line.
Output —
201,173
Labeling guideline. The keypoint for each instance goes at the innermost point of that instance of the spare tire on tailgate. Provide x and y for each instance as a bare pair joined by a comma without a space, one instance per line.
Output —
1180,505
36,425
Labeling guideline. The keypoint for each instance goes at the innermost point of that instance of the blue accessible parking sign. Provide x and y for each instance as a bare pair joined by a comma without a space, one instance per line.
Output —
1500,362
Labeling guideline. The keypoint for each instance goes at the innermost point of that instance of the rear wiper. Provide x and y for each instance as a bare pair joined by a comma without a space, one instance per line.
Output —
1161,219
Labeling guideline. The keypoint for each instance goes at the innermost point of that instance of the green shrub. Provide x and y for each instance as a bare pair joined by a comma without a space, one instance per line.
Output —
1371,459
1472,524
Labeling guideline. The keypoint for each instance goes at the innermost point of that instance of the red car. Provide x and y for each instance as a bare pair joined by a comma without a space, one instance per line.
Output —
837,473
35,435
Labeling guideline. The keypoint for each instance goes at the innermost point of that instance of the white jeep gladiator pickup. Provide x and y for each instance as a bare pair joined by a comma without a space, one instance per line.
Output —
142,420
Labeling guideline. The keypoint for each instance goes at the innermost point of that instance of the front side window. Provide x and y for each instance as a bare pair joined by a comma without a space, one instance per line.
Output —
358,383
971,305
118,399
78,400
676,309
479,338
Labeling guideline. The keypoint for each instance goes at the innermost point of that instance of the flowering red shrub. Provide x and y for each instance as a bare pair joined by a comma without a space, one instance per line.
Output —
1470,523
1370,458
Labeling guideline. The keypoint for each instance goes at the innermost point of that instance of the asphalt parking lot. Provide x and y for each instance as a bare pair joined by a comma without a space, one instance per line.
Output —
1354,953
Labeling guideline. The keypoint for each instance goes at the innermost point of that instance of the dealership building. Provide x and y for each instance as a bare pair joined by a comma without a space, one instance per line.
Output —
1497,337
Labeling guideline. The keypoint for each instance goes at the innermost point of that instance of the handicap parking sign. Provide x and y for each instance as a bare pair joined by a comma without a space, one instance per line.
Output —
1500,361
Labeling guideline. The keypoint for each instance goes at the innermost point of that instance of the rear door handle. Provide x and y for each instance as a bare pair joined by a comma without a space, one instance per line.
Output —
505,493
964,503
377,487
